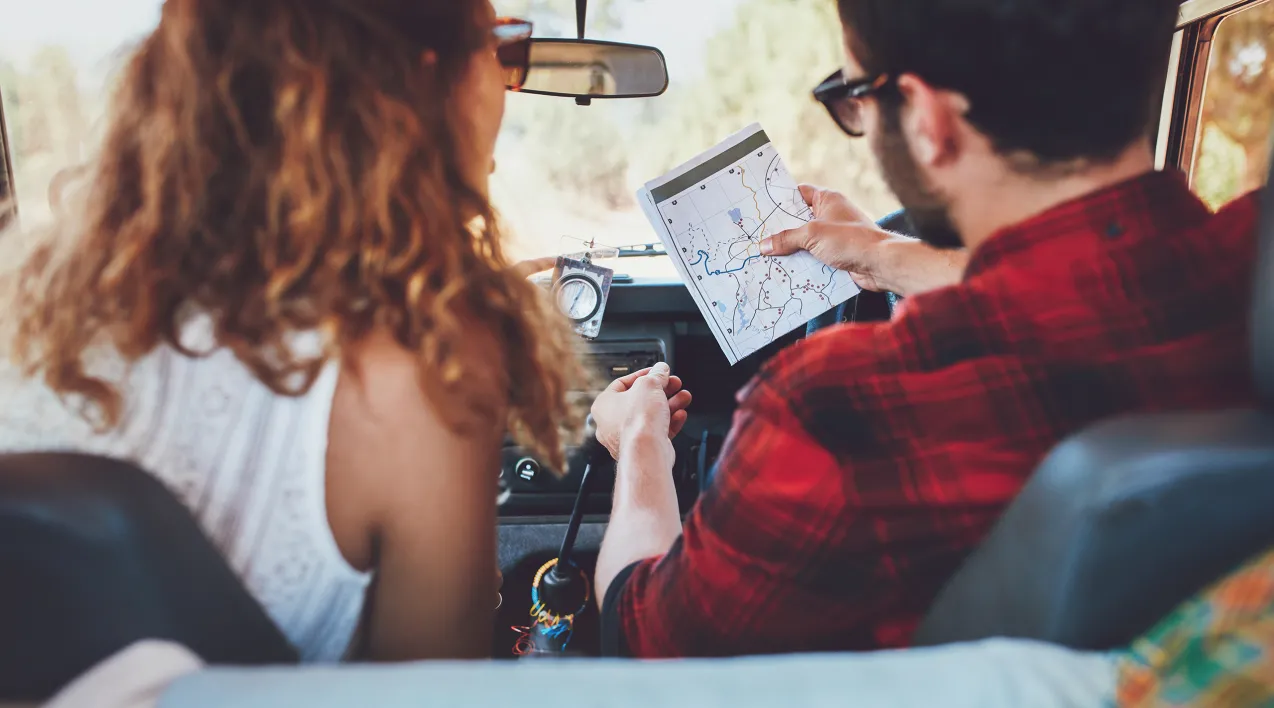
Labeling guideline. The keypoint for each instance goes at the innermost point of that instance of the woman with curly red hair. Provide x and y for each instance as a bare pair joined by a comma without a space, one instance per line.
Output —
280,288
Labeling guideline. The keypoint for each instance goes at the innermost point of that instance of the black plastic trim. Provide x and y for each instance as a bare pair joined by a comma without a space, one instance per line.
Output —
664,299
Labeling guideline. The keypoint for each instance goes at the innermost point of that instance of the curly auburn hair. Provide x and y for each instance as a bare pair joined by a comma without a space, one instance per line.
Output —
291,166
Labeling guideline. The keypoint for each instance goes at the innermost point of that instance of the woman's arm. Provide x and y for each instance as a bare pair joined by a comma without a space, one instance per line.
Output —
426,500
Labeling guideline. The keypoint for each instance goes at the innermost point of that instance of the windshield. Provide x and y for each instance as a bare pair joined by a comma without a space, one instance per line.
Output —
567,173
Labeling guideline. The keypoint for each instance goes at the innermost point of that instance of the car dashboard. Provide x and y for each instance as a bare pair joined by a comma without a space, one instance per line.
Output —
647,320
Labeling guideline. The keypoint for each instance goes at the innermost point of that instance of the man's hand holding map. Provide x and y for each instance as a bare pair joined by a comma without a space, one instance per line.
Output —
712,214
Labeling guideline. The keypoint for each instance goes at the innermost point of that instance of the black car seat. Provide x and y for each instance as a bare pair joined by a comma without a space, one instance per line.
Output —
1126,520
96,554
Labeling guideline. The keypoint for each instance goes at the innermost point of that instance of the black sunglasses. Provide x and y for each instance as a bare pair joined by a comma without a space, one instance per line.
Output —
513,49
844,99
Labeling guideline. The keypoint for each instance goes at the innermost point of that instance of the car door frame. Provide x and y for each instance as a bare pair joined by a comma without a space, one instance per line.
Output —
8,189
1178,133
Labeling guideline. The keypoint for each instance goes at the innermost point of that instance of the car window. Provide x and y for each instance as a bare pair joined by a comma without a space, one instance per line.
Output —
7,204
56,61
1232,151
570,171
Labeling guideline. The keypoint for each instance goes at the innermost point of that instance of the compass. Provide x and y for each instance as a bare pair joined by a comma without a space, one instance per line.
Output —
580,288
579,297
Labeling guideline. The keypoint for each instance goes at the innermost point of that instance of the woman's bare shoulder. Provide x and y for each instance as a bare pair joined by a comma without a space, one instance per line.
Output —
413,497
388,444
387,378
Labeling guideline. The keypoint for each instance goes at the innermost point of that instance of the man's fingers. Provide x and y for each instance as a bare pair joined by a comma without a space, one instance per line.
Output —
809,193
671,384
785,243
624,383
659,377
680,402
866,282
677,422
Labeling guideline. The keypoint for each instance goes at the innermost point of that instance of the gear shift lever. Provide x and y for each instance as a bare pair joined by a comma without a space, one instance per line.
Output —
595,455
561,589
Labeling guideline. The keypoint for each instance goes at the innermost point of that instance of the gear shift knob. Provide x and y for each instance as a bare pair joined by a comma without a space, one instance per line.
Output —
561,589
564,590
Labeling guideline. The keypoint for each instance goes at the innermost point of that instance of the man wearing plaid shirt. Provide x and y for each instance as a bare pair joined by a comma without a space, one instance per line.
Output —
866,462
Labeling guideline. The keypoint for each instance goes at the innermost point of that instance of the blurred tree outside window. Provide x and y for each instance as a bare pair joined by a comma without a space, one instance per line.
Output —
569,171
563,170
57,60
45,112
1237,121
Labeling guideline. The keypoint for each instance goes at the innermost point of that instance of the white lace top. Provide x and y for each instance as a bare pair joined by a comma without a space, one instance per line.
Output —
248,463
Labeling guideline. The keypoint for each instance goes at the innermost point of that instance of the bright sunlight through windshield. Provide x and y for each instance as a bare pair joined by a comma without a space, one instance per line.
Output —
565,173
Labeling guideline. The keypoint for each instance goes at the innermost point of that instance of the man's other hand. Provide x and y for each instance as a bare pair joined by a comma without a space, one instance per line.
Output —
648,401
841,235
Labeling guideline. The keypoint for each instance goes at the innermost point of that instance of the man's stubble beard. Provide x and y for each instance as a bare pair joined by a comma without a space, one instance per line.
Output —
926,209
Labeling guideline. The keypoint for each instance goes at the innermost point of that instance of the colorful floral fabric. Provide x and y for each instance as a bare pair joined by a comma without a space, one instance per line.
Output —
1216,650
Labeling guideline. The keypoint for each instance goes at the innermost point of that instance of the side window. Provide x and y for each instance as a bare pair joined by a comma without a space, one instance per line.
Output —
1236,122
57,60
8,207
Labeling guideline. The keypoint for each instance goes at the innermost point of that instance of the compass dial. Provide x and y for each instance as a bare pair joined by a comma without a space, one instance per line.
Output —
579,297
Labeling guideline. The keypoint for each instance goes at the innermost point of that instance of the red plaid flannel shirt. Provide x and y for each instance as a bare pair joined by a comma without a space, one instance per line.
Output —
866,462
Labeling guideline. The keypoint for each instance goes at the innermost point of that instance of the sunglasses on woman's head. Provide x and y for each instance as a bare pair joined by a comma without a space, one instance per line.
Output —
844,99
513,49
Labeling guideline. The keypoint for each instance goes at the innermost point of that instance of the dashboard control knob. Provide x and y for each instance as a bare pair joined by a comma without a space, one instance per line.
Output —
527,469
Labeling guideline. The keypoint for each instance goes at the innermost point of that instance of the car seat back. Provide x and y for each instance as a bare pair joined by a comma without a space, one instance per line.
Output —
96,554
1127,519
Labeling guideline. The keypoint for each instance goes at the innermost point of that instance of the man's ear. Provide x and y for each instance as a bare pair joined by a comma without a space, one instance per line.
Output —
930,120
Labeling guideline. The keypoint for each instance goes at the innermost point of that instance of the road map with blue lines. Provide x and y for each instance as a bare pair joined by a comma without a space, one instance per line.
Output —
712,214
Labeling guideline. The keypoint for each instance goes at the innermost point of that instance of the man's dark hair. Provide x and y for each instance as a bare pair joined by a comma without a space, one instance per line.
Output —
1060,79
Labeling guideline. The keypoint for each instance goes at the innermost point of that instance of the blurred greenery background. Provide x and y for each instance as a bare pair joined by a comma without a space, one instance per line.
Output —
564,170
571,171
1233,150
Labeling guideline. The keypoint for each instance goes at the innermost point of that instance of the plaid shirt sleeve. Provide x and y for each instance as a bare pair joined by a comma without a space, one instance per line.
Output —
718,584
789,548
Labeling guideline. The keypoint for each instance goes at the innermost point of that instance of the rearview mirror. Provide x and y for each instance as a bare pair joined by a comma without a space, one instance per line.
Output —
586,68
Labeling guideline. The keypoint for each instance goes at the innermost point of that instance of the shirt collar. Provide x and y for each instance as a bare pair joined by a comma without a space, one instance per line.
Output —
1153,202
